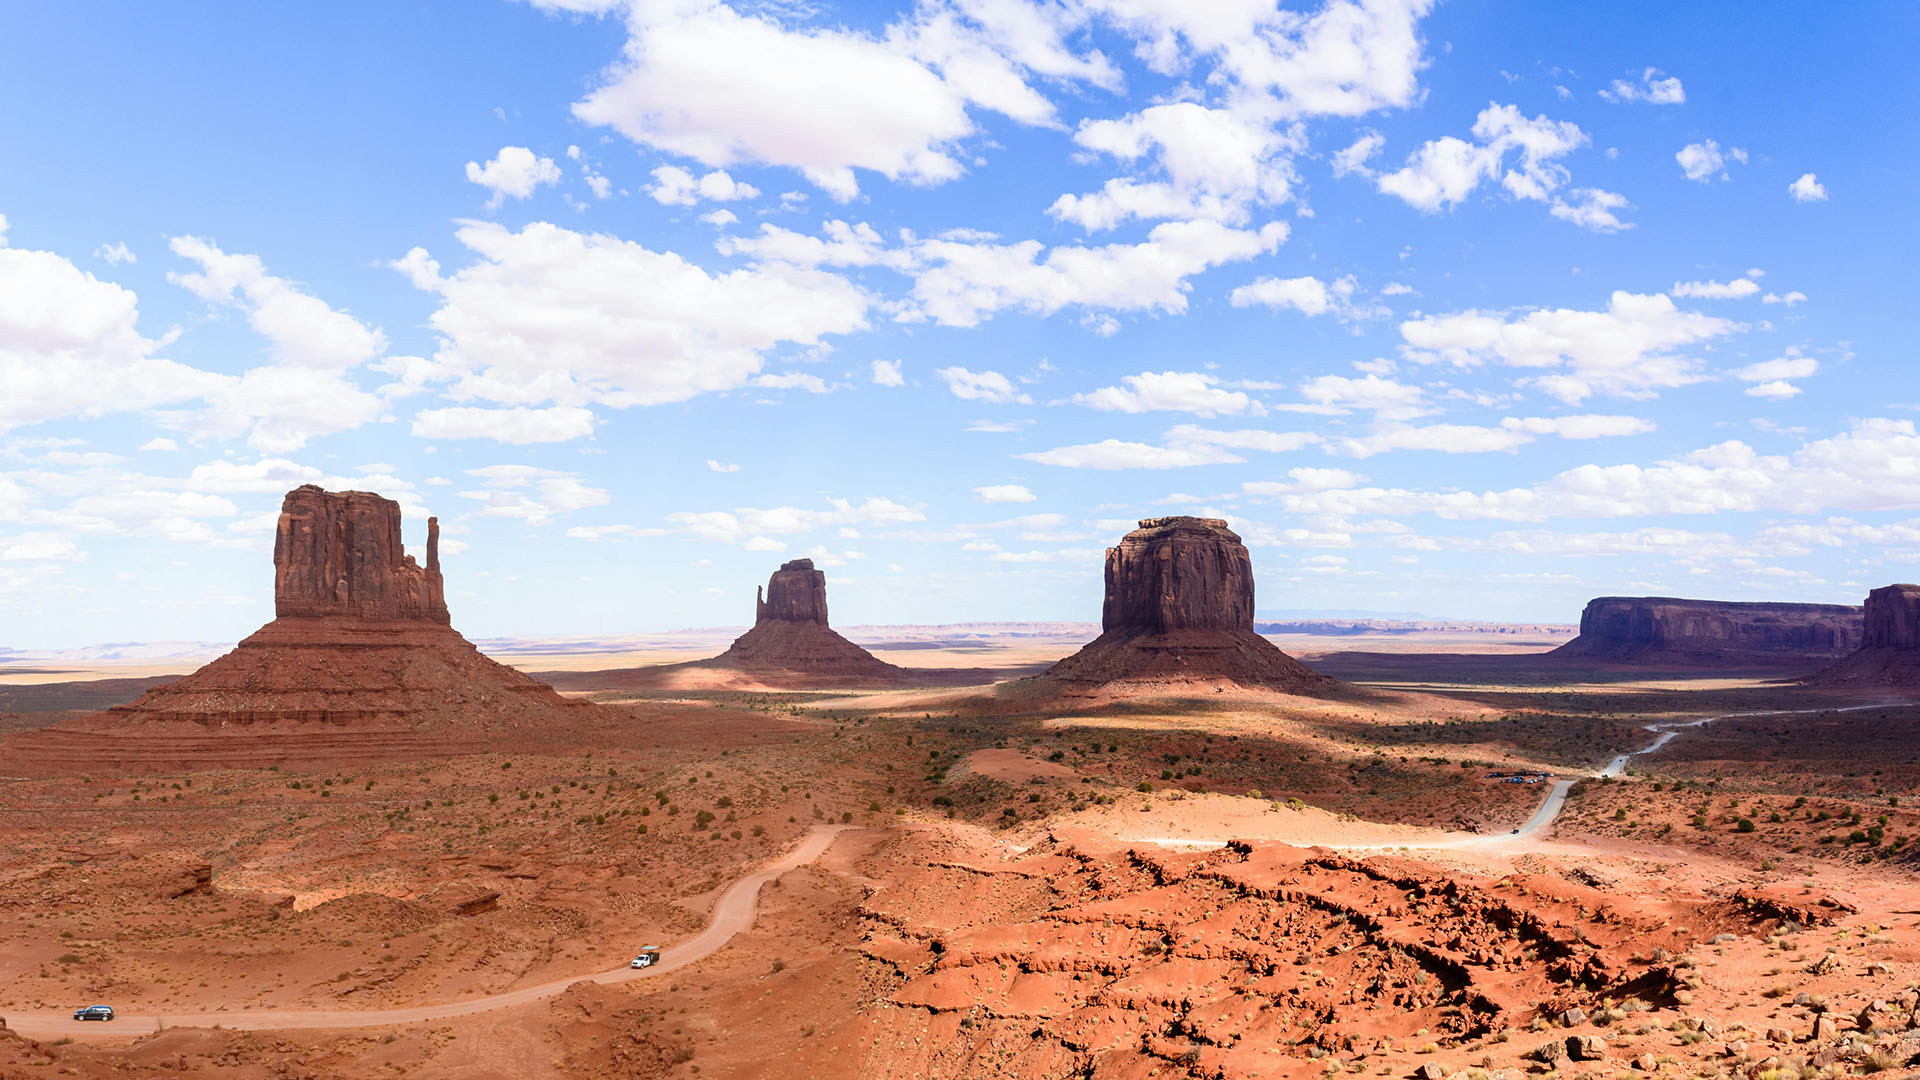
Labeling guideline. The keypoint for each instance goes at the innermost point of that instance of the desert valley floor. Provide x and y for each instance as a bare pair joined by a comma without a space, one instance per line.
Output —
958,883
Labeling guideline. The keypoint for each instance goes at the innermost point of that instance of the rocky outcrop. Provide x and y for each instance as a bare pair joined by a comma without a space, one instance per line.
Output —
1179,611
1664,629
796,593
1893,618
791,643
339,553
360,665
1889,653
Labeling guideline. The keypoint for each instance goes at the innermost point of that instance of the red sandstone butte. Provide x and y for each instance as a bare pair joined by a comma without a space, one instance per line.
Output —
790,636
360,664
1889,653
1665,629
1179,609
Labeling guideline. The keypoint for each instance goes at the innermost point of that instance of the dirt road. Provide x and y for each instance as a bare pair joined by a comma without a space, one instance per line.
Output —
733,913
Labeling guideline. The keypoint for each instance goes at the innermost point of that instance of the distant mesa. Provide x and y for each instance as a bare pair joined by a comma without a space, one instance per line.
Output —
1178,612
1889,653
1669,630
361,663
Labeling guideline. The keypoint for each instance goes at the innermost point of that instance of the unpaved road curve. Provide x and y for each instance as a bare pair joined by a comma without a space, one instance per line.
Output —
732,914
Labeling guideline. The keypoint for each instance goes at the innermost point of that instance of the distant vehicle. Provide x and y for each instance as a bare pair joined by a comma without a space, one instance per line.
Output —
94,1012
648,957
1516,832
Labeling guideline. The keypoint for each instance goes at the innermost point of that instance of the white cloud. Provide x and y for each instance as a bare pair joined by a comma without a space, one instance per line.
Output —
1272,442
1653,88
1807,189
305,331
1770,376
675,186
519,425
513,173
161,443
1003,493
719,218
1789,298
70,345
1352,161
1592,209
988,386
842,243
1777,390
1443,172
1716,290
743,524
887,373
1701,160
530,494
1216,163
115,254
721,467
1390,399
1629,350
966,280
793,380
1168,391
1115,454
548,314
1307,295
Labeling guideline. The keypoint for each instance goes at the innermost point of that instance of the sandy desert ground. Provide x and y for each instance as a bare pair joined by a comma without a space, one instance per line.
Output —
1238,886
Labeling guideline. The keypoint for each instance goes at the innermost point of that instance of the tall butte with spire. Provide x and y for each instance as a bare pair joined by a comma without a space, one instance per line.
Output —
1179,616
791,641
360,662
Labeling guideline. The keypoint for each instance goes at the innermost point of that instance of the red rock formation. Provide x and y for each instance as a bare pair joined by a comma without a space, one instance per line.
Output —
1662,629
361,664
1889,653
339,553
790,642
1179,609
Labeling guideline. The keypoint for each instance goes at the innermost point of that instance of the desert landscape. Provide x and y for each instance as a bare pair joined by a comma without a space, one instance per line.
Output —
1672,845
959,540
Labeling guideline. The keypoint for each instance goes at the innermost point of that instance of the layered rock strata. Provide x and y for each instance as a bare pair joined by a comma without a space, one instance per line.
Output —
360,664
1889,653
1664,629
1179,609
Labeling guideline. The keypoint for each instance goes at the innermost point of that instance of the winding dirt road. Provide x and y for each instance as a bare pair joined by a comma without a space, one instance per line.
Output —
733,913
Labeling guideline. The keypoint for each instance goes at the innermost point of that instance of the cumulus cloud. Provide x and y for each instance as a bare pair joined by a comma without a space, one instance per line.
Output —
714,465
1807,189
1652,88
1003,493
547,314
115,254
1770,376
1195,161
1736,289
1701,160
887,373
966,280
1592,209
745,524
530,494
70,345
1632,349
519,425
1443,172
988,386
675,186
513,173
1168,391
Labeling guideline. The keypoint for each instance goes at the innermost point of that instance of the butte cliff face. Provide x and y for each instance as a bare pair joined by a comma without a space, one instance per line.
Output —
1179,611
791,643
361,663
1889,653
1663,629
340,554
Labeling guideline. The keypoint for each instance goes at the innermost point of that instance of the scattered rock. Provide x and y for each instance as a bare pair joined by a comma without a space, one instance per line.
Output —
1430,1071
1647,1063
1572,1017
1586,1047
1551,1053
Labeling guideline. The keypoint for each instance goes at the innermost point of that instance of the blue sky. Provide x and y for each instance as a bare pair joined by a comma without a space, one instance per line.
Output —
1468,309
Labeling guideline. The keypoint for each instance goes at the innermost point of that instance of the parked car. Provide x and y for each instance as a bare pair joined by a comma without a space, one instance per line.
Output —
94,1012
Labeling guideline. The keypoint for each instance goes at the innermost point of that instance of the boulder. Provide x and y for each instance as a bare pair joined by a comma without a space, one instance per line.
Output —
1665,629
1586,1048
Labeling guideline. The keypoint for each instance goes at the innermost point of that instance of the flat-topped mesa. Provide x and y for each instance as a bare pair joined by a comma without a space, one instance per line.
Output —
795,593
1179,573
340,553
1178,612
1893,618
1665,628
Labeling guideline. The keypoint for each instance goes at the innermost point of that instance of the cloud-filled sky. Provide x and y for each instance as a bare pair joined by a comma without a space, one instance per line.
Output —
1466,309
